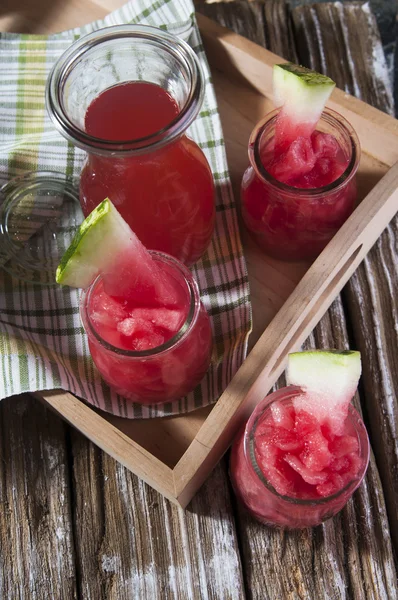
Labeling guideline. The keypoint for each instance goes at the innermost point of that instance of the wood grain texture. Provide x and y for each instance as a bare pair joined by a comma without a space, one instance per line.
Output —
371,294
36,540
132,543
265,23
245,18
277,23
343,40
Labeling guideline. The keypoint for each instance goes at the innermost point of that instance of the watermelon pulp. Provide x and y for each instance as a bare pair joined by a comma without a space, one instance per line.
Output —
308,162
136,323
165,195
137,279
138,320
302,458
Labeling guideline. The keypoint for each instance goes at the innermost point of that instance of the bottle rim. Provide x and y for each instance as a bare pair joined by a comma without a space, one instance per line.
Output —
286,393
174,341
167,42
334,119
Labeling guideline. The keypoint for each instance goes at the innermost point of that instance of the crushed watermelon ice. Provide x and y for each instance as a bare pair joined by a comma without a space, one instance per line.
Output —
302,458
133,323
308,448
308,162
305,442
139,302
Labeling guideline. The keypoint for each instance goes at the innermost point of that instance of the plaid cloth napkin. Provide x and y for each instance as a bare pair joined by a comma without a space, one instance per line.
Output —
42,343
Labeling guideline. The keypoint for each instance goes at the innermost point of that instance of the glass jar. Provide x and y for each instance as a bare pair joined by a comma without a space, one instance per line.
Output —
291,223
256,492
166,372
161,183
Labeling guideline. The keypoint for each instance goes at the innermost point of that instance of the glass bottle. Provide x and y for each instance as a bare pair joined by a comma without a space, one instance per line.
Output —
161,183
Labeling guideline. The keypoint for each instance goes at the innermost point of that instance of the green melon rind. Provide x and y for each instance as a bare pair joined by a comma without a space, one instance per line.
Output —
100,238
301,91
329,373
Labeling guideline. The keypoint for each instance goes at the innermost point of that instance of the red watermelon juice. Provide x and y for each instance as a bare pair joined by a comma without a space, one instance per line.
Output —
164,191
291,471
147,349
300,187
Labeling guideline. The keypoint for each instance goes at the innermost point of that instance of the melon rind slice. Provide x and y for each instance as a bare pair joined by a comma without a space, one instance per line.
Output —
301,92
329,378
106,245
103,235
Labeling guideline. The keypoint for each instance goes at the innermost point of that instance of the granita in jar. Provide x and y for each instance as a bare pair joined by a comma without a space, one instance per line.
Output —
148,332
126,95
300,186
304,450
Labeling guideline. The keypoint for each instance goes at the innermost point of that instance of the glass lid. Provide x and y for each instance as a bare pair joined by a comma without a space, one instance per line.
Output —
39,215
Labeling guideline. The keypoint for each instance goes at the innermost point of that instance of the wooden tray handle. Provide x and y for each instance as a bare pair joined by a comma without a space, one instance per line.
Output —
305,309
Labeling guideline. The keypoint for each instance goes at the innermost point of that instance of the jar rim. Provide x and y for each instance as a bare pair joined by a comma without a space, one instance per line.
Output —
175,340
180,50
334,118
286,393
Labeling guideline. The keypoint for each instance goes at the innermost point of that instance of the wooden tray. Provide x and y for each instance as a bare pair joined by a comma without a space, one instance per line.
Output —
176,454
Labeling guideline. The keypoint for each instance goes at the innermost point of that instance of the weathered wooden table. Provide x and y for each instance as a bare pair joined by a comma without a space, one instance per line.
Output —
76,524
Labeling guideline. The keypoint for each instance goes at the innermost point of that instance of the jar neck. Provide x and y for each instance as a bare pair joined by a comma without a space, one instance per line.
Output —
285,396
330,122
117,55
185,279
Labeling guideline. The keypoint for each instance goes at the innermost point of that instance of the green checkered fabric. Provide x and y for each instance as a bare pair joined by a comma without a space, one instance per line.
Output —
42,343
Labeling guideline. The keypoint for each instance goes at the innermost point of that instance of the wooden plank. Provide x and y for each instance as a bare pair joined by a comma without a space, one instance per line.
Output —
373,308
372,292
246,18
277,24
357,60
36,537
132,543
255,21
